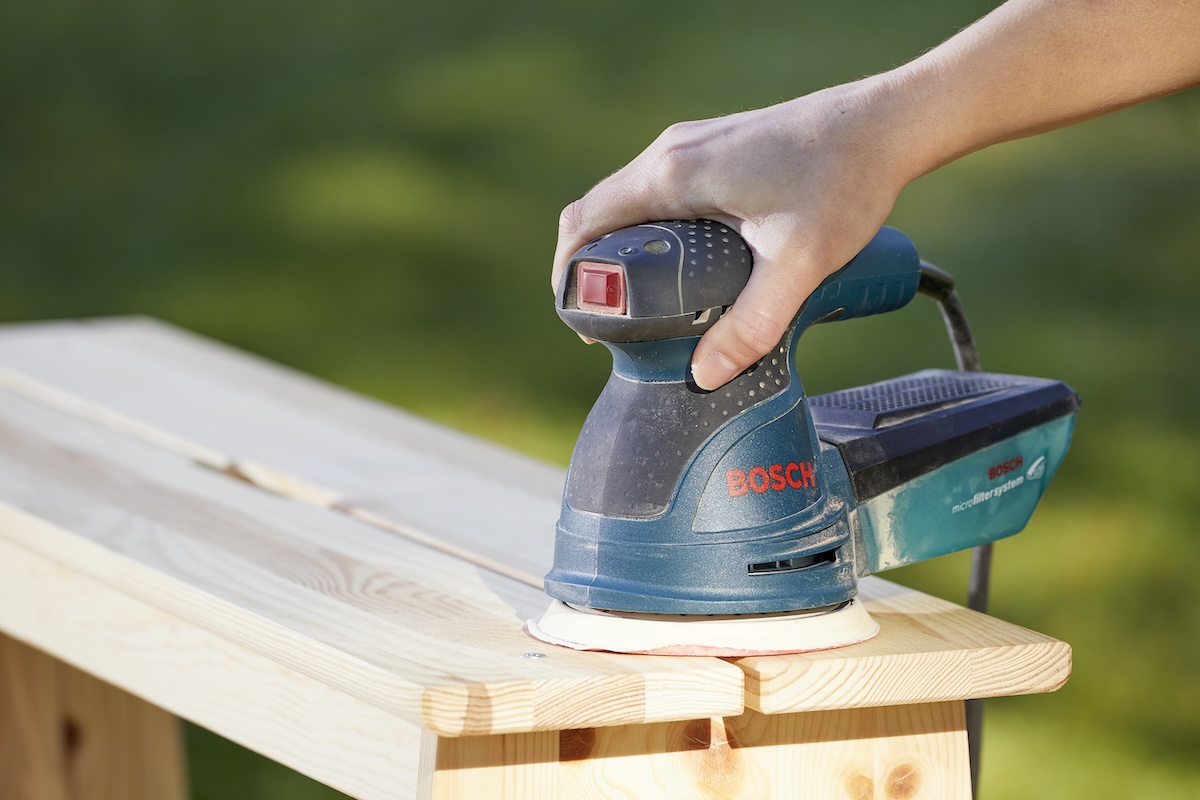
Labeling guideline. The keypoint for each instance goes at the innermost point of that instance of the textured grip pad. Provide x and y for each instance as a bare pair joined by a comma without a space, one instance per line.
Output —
640,437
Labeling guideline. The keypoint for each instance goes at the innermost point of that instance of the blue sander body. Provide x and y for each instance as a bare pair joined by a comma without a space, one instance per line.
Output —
757,499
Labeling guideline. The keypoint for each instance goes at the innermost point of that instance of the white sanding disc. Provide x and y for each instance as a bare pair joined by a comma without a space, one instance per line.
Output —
725,636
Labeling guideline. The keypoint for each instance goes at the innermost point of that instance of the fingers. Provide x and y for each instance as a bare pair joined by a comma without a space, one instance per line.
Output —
578,225
589,218
603,210
754,324
654,186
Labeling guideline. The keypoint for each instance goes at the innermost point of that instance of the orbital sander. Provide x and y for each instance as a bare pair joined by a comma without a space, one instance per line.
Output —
739,521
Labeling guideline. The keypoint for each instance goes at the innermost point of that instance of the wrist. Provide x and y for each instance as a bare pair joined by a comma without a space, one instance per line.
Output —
907,124
879,124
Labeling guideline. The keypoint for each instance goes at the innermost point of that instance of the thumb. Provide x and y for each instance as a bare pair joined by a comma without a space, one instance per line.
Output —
754,324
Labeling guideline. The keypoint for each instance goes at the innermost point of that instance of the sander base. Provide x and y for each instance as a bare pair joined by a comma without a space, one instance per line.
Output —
728,636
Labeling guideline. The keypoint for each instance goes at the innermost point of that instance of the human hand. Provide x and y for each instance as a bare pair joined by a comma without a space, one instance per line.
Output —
806,183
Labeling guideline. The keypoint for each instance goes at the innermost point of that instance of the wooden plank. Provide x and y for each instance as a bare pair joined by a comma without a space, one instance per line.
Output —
911,752
248,698
409,630
66,736
927,650
296,434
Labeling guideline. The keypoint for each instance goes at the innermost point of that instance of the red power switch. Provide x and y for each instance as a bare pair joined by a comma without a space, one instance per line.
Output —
600,287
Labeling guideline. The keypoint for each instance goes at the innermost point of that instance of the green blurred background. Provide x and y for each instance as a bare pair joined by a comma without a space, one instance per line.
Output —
369,191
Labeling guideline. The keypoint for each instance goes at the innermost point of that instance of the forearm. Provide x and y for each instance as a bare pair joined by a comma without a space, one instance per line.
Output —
1032,66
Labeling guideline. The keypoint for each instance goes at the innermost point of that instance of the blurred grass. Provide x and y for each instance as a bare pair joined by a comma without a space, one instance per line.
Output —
369,191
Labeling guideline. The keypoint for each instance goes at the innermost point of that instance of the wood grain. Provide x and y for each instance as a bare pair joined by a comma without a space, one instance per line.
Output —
64,735
409,629
225,408
248,698
893,753
927,650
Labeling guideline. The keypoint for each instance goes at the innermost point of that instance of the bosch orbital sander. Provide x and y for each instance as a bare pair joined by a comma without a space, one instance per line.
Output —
739,521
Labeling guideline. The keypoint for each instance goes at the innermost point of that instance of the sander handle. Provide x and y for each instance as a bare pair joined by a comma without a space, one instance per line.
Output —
883,277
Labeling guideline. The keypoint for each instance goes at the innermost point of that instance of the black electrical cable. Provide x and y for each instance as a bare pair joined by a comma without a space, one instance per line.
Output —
939,285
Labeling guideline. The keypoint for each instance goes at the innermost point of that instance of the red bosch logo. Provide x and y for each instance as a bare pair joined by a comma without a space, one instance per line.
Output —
1005,468
776,478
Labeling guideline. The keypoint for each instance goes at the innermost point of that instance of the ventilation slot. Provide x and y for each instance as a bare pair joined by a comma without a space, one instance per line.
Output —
792,564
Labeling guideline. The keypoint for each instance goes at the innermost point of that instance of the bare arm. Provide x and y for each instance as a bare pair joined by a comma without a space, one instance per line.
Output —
808,182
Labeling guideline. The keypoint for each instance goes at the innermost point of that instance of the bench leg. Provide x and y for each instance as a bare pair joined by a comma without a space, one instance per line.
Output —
65,735
916,752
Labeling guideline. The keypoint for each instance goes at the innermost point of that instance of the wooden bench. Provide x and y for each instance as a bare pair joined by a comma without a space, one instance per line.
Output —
189,531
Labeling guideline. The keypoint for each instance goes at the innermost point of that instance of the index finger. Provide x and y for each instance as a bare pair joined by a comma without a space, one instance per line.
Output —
627,197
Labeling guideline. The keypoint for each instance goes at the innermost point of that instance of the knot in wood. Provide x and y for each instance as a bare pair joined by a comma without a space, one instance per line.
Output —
576,744
717,769
860,787
903,782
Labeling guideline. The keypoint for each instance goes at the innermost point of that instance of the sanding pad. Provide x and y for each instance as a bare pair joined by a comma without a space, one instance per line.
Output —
723,636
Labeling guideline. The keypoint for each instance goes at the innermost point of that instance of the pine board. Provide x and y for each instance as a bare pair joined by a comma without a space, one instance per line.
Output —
192,673
68,736
927,650
916,752
408,629
299,436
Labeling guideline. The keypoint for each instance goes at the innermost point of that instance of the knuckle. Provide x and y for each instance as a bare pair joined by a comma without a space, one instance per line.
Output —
571,217
678,152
